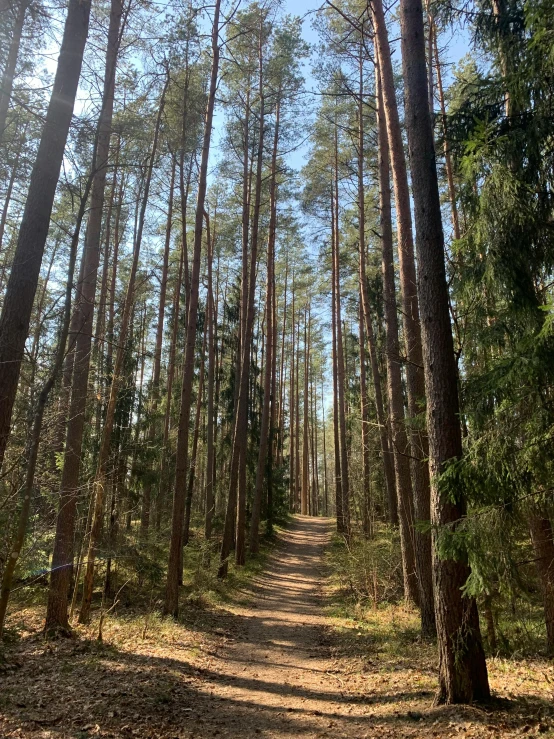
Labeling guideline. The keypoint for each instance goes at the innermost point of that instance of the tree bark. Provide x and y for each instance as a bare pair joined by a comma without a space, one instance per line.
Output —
400,445
415,379
82,320
462,667
147,493
171,605
305,490
33,231
542,539
345,484
237,476
336,432
99,484
36,429
268,402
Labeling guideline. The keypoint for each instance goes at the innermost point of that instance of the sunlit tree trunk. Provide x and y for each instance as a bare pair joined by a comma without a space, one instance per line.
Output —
82,322
415,380
99,485
265,450
211,317
400,444
462,667
171,605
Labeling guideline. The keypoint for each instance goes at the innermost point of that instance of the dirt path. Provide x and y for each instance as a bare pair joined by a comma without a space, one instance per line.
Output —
273,665
279,672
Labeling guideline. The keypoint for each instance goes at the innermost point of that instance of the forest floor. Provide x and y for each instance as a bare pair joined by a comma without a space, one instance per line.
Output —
273,662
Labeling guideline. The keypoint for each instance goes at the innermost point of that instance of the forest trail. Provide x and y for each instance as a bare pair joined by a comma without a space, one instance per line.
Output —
279,671
270,663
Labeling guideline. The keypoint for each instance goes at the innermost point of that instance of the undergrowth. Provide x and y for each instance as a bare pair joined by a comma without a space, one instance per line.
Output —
367,593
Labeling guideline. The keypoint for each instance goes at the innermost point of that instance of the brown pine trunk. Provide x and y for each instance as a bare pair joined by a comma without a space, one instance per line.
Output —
297,420
282,373
272,456
147,493
305,490
268,401
415,380
6,85
292,431
542,538
241,428
366,462
388,464
345,484
171,605
36,429
171,367
314,445
99,484
194,453
336,432
22,284
325,478
237,498
462,666
400,445
211,317
82,321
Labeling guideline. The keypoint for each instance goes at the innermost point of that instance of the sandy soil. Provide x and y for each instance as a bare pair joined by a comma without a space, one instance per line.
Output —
274,666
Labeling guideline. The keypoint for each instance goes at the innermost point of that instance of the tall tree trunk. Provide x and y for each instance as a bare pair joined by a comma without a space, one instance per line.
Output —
400,445
366,462
36,429
22,284
147,494
82,320
305,490
325,478
388,461
268,402
282,373
415,380
462,667
345,484
194,453
171,365
171,605
99,484
237,476
336,432
292,430
6,85
542,538
211,317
